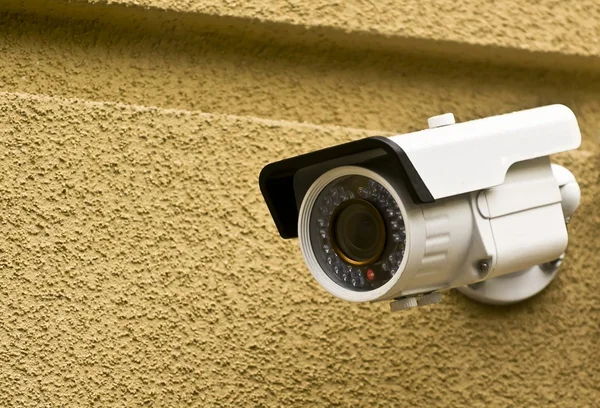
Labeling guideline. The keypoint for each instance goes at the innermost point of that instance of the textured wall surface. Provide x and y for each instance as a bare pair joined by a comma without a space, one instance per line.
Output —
218,73
544,33
139,264
546,25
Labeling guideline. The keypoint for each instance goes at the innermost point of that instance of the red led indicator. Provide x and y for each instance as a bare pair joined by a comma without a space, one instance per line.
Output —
370,274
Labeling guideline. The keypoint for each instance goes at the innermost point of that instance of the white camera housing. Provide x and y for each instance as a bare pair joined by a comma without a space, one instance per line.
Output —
482,206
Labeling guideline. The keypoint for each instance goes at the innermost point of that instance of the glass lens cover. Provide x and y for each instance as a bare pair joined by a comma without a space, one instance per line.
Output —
357,233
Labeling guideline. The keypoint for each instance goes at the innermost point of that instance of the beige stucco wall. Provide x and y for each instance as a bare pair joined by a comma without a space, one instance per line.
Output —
543,25
140,265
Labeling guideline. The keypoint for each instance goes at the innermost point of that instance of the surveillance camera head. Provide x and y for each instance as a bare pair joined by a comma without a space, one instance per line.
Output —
452,206
353,233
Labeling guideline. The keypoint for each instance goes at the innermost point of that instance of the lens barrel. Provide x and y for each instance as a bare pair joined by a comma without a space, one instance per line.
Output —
358,232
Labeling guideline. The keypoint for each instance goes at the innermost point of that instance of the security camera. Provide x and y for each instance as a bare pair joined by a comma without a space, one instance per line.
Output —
476,206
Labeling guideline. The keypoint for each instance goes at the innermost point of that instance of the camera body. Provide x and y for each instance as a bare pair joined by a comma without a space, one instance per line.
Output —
447,207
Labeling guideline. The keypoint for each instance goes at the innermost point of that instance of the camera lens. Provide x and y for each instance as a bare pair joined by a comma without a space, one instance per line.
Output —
358,232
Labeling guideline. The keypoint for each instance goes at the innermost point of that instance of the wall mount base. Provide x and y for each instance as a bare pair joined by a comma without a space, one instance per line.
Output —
514,287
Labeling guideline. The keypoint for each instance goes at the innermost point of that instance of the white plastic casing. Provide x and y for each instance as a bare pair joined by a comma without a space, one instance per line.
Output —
475,155
498,207
525,283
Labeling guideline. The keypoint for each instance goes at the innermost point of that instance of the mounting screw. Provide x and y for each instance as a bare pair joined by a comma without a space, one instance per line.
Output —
553,265
483,267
